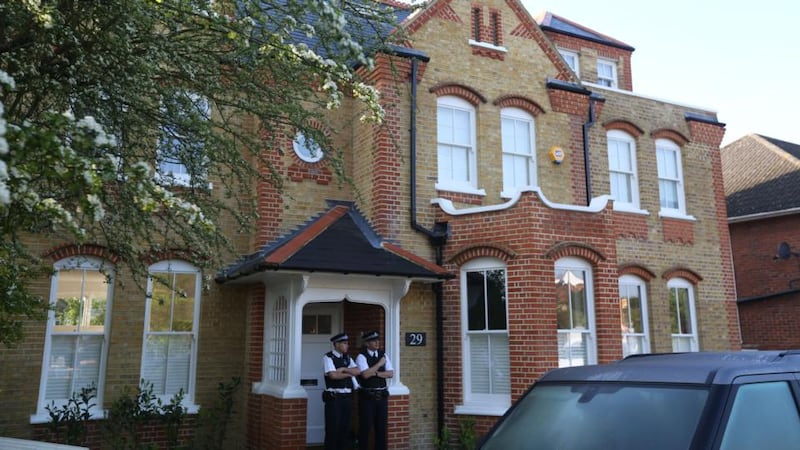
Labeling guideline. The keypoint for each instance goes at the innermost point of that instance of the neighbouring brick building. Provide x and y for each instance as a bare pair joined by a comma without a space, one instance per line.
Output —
521,209
762,188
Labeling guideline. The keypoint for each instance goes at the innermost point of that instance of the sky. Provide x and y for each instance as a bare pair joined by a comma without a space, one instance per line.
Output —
739,58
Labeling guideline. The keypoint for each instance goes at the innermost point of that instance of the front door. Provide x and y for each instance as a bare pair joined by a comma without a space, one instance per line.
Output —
321,321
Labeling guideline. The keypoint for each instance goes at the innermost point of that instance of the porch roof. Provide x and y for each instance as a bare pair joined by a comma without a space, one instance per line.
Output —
340,240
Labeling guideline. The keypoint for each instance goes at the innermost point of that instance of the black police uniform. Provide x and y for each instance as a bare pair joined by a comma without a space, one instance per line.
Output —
338,399
373,404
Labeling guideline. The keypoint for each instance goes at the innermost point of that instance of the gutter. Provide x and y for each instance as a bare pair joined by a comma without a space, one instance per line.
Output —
437,238
586,160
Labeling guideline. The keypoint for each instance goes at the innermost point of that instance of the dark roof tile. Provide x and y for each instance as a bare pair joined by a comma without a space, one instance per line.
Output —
761,175
339,240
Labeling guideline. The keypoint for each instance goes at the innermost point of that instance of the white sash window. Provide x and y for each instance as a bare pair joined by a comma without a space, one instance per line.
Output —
77,333
169,355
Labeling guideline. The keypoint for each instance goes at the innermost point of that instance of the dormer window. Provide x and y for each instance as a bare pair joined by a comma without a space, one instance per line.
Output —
571,58
607,73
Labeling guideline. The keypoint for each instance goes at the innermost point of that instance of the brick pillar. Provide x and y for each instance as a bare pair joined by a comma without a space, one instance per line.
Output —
399,428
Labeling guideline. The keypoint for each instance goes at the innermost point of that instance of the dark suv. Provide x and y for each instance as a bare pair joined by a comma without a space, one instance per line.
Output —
706,400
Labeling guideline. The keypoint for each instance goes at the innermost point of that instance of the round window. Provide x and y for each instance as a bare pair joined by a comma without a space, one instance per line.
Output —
307,149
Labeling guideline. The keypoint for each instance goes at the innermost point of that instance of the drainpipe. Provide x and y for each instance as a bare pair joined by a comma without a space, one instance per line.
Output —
438,239
587,167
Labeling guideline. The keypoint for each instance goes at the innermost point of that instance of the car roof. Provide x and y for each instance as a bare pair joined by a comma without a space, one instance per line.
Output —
693,368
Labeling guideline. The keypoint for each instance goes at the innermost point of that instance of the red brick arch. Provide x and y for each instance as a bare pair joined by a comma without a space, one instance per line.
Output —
459,90
624,125
636,270
577,249
521,102
171,254
482,251
682,272
672,135
299,170
70,250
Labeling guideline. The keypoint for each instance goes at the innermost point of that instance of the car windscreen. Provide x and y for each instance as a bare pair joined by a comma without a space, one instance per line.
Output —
601,416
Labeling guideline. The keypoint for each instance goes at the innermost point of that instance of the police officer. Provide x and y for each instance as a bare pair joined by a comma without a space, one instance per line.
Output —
340,371
373,397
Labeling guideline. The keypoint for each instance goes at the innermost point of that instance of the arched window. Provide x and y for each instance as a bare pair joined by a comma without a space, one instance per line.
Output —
457,166
575,313
682,313
169,355
622,170
633,315
519,156
76,339
487,384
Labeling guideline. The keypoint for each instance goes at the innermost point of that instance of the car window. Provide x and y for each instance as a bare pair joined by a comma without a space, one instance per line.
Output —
763,415
602,416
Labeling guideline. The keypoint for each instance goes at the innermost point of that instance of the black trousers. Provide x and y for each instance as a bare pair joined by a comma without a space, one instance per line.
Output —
337,422
373,413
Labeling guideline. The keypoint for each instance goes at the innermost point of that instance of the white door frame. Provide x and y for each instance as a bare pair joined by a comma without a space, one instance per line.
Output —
304,288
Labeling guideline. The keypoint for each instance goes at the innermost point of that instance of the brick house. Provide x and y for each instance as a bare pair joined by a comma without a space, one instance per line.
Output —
762,189
521,209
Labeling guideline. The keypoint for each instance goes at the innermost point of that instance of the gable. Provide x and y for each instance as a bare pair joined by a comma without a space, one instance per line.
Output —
495,29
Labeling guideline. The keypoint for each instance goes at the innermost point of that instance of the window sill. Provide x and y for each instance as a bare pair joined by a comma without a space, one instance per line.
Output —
629,208
460,189
513,193
675,214
487,45
482,409
180,181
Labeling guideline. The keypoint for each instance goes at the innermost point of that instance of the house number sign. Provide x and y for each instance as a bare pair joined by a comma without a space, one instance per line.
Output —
415,339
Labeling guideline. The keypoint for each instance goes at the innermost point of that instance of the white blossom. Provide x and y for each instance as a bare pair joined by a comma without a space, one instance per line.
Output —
7,79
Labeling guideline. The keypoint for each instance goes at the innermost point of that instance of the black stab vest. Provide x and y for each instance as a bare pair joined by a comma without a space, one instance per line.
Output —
375,382
344,383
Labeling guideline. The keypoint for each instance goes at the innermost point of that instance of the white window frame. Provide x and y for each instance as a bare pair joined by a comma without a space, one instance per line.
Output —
83,263
570,55
513,156
613,81
175,267
470,183
621,138
666,147
178,174
626,283
481,404
571,265
691,337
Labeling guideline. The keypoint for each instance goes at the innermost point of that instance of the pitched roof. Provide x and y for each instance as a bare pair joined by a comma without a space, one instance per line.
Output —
373,34
761,175
552,22
340,240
